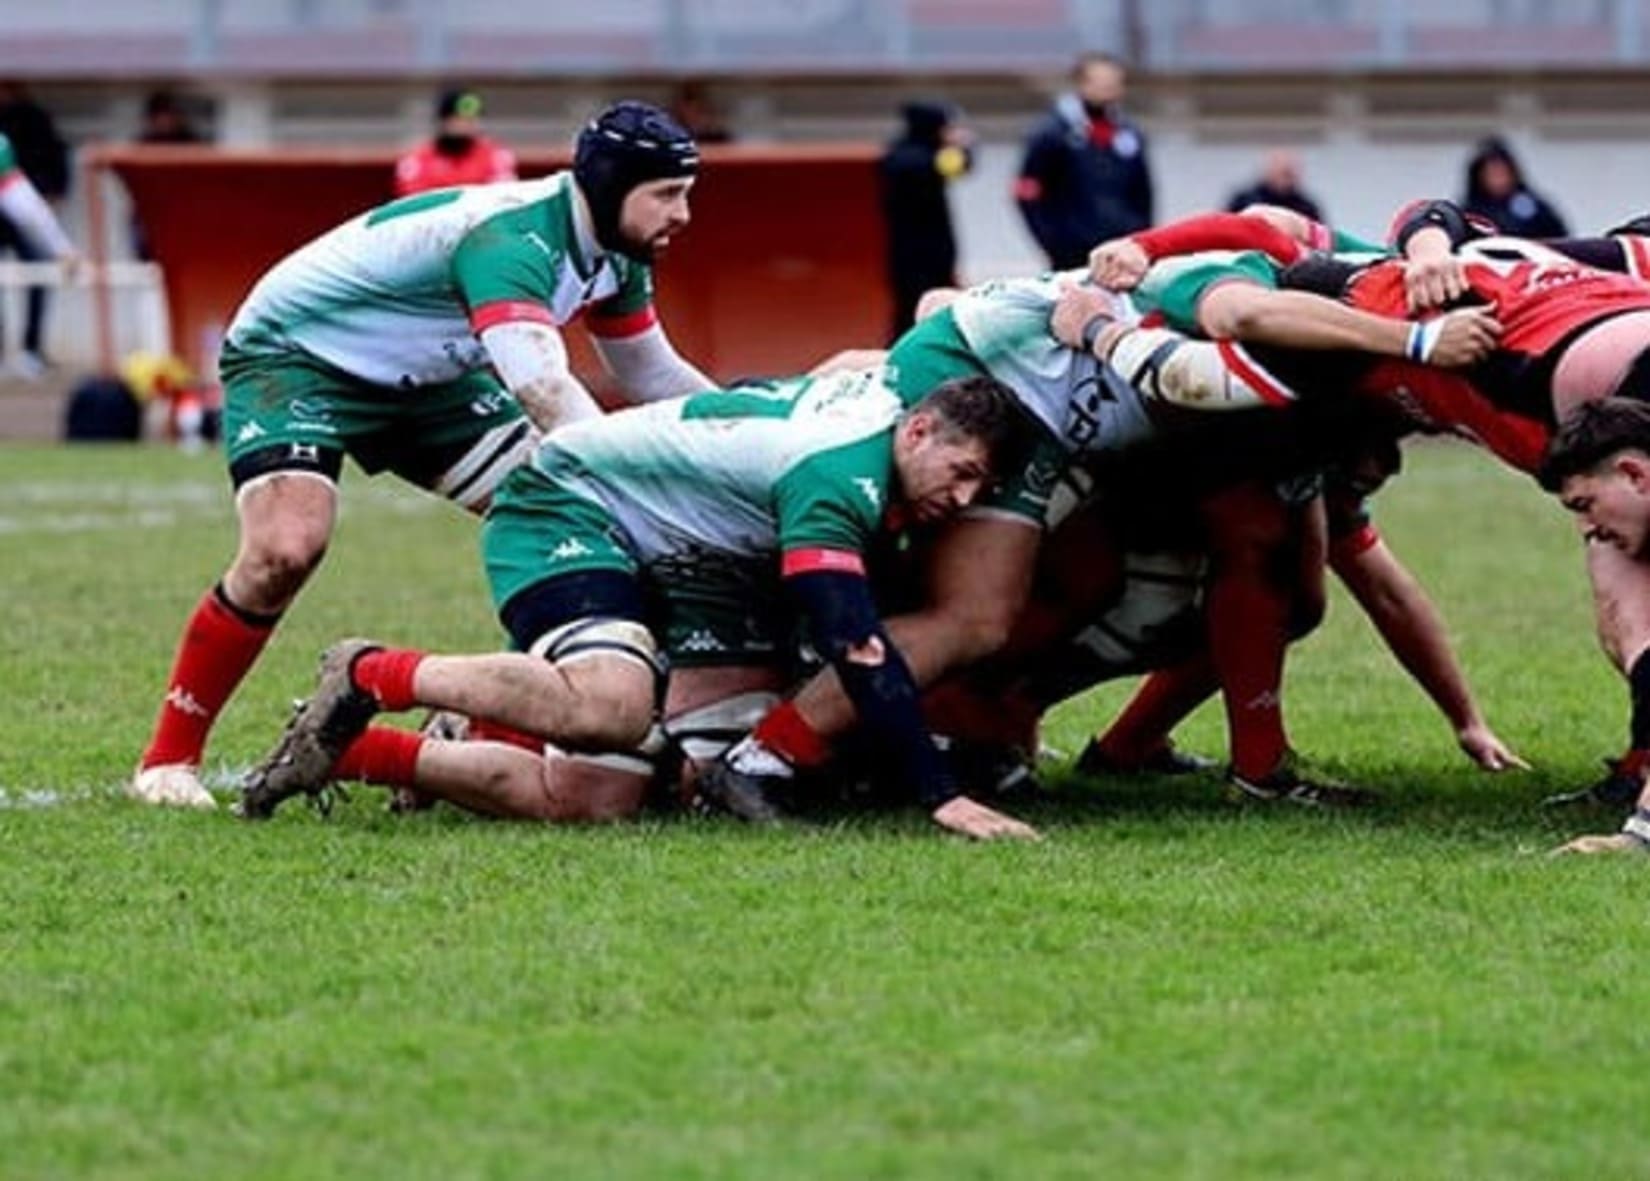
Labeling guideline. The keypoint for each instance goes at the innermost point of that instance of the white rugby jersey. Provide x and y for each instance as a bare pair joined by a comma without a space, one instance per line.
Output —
398,296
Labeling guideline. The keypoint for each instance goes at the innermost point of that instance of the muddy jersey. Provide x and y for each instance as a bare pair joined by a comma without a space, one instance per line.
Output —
802,465
1001,330
398,296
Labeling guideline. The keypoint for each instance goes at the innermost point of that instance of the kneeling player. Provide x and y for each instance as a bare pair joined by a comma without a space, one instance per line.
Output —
608,512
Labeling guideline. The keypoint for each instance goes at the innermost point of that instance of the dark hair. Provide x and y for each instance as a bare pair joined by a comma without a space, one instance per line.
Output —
1591,434
981,408
1094,57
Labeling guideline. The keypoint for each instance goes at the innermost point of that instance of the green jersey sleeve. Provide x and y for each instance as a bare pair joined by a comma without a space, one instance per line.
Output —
8,157
835,499
498,263
1174,287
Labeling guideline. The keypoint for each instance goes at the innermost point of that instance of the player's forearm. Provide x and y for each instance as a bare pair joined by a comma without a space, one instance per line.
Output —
532,362
1298,320
649,368
844,629
1413,630
22,205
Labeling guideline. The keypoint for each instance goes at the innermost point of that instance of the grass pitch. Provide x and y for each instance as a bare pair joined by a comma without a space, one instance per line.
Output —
1166,987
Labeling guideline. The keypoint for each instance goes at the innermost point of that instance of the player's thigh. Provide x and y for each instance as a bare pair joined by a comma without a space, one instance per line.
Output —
459,440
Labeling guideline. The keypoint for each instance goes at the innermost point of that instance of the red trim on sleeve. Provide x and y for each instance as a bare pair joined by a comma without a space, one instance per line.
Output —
1028,188
8,179
1638,255
1218,231
508,311
1361,541
808,561
1271,390
610,327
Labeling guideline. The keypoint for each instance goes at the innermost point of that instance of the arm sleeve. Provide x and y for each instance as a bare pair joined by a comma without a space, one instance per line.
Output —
844,629
25,208
647,365
531,360
1219,231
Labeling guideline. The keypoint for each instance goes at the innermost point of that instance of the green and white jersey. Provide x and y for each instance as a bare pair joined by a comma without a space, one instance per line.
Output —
398,296
1173,287
1001,329
800,465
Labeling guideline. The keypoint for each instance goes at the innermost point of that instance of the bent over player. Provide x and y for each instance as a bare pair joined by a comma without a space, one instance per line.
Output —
613,513
413,338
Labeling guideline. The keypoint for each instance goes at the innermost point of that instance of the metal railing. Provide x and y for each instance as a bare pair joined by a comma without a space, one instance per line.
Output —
498,37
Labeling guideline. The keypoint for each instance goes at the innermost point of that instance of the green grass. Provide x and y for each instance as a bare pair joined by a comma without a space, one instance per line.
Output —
1166,987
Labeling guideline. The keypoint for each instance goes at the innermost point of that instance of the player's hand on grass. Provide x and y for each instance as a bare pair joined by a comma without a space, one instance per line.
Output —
1120,264
1433,282
1465,338
1484,747
963,816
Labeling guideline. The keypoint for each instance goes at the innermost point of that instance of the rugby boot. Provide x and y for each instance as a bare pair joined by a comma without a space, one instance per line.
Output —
319,732
720,788
1165,760
1619,788
1285,784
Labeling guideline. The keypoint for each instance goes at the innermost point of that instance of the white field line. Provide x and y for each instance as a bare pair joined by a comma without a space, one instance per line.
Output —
220,781
81,506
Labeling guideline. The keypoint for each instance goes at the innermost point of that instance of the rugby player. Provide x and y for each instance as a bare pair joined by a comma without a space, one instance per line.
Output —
421,338
1574,333
23,206
979,569
1599,466
695,502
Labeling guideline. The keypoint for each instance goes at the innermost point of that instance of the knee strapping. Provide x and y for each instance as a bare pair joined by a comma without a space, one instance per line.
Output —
706,733
584,639
1167,368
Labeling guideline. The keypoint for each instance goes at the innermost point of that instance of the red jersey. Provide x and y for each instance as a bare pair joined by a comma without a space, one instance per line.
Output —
482,163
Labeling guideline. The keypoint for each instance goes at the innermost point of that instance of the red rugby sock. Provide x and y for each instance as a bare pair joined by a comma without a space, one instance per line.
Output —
1248,632
219,646
382,755
388,675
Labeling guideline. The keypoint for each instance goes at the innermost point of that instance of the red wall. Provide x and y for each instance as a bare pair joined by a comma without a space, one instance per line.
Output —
783,262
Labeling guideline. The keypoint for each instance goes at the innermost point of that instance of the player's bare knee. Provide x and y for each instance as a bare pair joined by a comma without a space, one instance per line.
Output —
274,566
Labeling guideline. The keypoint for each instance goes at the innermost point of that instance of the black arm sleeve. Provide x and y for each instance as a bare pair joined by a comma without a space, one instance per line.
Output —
841,617
1445,215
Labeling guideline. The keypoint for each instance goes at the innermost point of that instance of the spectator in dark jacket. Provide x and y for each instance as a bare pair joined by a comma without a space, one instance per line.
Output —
1279,184
922,250
43,157
1085,178
1496,191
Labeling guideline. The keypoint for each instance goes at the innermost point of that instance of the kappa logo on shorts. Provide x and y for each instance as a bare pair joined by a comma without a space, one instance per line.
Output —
249,432
569,549
701,640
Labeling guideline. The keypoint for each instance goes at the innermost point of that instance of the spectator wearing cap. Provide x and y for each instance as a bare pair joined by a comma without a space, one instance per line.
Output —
933,149
458,154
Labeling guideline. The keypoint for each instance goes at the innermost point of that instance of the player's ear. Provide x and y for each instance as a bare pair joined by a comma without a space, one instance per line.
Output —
1634,467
